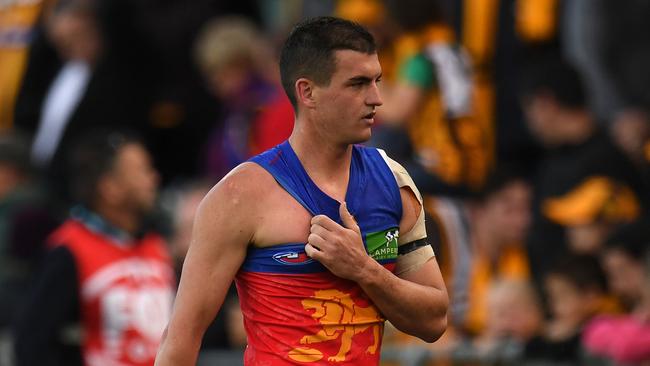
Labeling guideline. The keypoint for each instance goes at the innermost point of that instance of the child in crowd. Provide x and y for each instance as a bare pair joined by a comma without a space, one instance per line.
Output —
576,289
514,317
622,260
499,221
623,339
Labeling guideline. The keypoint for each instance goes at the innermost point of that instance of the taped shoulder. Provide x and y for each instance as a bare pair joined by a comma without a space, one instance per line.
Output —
404,180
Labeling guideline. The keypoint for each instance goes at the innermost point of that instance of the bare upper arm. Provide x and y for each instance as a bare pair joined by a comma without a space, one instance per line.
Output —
411,211
222,230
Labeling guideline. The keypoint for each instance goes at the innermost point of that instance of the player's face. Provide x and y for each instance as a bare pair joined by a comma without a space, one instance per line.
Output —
346,107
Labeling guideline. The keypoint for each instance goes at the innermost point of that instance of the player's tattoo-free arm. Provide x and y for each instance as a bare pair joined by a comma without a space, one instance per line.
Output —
221,233
416,303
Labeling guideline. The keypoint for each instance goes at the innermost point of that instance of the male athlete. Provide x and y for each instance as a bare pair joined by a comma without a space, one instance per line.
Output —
325,239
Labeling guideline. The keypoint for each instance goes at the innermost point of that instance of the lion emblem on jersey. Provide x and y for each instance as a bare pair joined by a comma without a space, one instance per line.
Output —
341,318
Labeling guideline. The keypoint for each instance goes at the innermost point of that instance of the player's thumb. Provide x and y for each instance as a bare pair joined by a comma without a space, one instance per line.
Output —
347,218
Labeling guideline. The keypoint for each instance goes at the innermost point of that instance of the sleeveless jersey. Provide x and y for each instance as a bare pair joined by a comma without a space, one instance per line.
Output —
295,311
125,294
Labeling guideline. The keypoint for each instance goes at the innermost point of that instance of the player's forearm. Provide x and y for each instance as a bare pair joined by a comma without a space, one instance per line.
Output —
177,351
166,358
412,308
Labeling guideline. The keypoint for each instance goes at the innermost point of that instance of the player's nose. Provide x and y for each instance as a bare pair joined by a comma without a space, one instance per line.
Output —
374,96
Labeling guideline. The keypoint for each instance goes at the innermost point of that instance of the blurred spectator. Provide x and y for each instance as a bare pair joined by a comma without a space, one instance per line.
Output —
499,222
554,102
501,37
590,211
623,261
631,132
234,58
105,293
157,38
71,85
429,103
515,317
25,221
577,290
623,339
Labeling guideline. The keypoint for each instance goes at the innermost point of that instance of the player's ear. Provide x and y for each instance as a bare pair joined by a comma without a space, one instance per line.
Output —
305,92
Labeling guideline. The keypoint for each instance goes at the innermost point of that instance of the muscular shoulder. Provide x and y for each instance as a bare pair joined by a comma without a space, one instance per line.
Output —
235,198
246,182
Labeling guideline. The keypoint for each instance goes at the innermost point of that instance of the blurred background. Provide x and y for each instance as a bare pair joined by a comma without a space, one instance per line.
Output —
525,124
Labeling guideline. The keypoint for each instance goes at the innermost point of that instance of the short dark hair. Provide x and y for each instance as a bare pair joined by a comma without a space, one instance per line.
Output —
309,50
94,156
551,74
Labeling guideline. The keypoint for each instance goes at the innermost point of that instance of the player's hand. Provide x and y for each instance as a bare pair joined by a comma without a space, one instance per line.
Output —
339,248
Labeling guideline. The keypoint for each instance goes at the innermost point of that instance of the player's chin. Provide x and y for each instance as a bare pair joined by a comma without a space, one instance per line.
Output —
362,136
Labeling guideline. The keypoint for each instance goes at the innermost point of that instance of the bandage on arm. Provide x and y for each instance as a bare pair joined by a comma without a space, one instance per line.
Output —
413,250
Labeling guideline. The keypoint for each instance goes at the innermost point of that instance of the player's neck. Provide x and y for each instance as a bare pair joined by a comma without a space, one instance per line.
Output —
318,149
327,163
